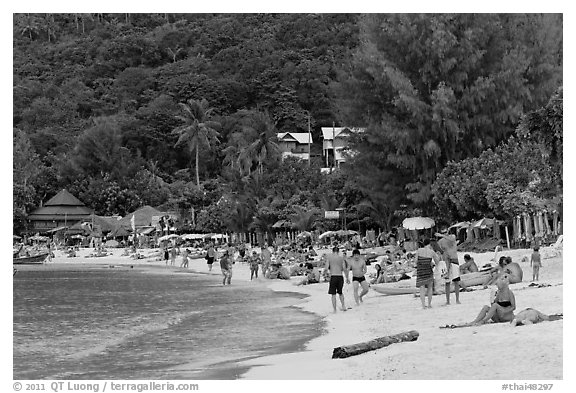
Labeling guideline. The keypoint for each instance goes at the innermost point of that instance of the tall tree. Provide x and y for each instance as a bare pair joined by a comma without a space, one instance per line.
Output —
198,129
265,147
435,88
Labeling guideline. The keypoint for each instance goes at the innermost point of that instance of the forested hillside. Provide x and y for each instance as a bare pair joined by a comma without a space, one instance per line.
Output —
181,110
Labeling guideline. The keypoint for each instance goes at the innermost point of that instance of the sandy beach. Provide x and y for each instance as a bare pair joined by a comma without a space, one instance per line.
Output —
488,352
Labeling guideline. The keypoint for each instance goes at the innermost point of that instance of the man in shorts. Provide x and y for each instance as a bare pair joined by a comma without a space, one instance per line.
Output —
336,265
448,244
358,266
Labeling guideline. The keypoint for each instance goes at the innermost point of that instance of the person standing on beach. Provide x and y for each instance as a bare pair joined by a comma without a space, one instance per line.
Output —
226,267
536,263
184,258
426,259
359,269
173,255
166,255
210,255
335,266
254,265
450,253
266,255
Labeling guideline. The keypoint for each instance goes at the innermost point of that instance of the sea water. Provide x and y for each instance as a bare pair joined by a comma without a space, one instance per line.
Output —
129,324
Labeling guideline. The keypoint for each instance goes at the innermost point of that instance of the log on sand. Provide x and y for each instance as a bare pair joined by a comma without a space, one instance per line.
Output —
380,342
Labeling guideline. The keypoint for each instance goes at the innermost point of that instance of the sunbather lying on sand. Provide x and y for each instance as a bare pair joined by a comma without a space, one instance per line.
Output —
530,316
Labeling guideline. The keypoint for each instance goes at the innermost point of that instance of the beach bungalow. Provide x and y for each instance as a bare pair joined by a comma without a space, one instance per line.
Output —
61,211
335,141
295,144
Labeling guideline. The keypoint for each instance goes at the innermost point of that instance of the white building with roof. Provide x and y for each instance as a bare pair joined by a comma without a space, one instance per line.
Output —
335,142
296,144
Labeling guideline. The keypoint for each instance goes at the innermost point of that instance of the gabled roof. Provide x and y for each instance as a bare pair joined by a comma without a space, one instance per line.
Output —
64,198
299,137
61,206
329,133
142,217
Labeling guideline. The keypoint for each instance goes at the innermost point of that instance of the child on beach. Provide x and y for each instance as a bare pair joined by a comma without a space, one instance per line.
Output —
536,263
254,263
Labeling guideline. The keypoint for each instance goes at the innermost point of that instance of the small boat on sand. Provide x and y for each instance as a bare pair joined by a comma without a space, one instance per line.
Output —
33,259
408,287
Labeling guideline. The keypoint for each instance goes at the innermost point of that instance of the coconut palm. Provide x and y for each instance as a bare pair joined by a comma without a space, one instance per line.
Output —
265,146
304,220
28,24
198,130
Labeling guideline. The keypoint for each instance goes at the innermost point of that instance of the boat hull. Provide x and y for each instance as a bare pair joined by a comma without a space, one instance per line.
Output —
408,287
35,259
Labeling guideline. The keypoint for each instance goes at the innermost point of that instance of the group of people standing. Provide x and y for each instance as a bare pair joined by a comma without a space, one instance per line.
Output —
440,257
338,268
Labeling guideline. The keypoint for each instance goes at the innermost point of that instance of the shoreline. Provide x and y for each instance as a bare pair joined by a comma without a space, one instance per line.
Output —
528,352
439,354
223,369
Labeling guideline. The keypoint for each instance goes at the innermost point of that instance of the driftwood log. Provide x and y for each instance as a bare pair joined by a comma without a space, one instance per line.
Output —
380,342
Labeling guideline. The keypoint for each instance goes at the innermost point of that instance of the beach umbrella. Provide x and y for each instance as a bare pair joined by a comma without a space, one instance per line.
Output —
323,235
462,224
39,238
304,234
167,237
345,232
192,236
414,223
483,223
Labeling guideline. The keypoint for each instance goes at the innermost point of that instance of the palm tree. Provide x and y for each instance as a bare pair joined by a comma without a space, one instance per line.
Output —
303,219
265,146
198,130
28,25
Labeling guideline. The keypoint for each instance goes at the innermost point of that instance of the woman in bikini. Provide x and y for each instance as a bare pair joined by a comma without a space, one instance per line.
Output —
502,307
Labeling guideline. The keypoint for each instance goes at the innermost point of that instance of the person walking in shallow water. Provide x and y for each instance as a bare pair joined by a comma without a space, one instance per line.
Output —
336,266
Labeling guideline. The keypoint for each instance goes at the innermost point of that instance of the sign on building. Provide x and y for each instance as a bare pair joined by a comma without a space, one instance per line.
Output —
332,214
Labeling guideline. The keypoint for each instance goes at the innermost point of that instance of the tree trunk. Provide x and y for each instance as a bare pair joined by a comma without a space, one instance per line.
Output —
197,171
357,349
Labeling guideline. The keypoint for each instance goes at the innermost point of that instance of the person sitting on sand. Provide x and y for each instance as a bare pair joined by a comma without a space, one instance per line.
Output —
312,275
469,266
505,267
380,275
502,307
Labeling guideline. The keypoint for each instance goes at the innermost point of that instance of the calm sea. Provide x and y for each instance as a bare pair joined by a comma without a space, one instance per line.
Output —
129,324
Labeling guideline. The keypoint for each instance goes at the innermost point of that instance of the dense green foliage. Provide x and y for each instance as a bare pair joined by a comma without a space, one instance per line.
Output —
181,111
439,88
